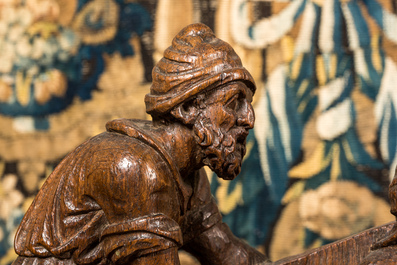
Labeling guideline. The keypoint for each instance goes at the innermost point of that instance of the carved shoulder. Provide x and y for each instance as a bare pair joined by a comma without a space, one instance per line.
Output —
127,177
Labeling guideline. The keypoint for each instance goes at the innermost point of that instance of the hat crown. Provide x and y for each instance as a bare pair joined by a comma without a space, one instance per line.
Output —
196,60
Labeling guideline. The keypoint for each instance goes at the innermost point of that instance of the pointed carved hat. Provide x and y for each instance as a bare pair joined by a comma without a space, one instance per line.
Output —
196,61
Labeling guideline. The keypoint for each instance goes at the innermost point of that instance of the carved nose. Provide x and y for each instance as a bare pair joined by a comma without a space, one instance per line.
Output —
247,116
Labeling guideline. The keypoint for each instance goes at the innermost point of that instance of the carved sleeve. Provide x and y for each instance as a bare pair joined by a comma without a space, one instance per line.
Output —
213,242
203,212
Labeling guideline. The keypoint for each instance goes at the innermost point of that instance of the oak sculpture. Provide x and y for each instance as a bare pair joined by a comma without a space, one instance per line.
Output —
137,193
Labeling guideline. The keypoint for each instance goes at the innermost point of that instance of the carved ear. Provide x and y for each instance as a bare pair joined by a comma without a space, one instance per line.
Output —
186,113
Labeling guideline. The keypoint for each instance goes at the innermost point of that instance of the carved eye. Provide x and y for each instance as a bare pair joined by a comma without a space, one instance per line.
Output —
233,103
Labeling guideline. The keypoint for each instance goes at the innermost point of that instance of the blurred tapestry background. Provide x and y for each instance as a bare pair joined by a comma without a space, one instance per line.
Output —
323,149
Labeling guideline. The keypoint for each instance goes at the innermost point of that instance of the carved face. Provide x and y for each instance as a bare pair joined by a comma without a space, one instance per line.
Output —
222,128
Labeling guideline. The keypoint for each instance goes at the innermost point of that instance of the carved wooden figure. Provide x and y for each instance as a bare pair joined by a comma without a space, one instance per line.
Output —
137,193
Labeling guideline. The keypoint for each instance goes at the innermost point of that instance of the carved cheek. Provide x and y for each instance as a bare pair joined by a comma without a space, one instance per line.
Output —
220,117
225,118
230,121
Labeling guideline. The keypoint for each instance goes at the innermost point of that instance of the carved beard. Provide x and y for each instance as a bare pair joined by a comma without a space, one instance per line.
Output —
223,151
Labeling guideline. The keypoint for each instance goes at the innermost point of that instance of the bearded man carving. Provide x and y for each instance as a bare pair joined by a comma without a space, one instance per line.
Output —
137,193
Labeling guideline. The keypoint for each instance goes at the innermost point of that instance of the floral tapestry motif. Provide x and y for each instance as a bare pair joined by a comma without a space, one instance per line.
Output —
49,57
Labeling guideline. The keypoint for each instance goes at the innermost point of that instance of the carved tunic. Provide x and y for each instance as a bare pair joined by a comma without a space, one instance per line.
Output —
114,198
